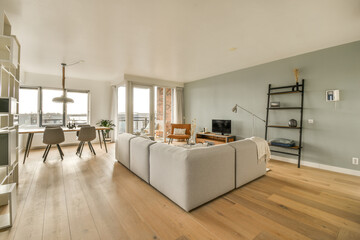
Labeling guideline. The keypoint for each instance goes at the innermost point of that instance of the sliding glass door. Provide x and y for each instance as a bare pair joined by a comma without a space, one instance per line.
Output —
141,110
121,117
145,110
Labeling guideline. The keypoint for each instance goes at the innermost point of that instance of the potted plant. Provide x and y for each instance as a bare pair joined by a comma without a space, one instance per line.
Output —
109,124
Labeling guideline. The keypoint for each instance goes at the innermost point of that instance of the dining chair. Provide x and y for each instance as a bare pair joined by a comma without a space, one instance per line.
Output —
80,126
86,134
53,136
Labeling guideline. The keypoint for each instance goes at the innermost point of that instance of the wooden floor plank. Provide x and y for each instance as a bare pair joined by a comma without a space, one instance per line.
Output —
26,178
322,180
346,234
265,236
127,216
32,218
308,223
224,223
56,224
167,220
344,204
322,205
81,222
246,220
342,222
103,214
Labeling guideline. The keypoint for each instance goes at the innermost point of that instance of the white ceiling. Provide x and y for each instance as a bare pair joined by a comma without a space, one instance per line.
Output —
177,40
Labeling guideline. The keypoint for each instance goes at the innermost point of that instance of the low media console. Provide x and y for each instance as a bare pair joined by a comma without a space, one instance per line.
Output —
214,138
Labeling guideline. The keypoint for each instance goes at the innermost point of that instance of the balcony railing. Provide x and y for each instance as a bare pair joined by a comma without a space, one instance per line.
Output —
139,123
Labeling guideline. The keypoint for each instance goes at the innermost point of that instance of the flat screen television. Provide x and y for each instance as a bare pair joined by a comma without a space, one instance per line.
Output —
221,126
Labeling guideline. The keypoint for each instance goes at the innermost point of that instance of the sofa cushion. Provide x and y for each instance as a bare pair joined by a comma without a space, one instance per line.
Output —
247,166
139,157
122,150
192,177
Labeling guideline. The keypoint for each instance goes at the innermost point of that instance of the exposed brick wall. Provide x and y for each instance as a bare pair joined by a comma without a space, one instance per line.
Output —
159,105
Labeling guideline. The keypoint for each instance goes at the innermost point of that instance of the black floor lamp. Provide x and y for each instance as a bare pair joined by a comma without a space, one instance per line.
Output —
234,109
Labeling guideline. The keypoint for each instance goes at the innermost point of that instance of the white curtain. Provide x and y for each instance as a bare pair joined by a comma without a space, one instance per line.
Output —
179,109
114,111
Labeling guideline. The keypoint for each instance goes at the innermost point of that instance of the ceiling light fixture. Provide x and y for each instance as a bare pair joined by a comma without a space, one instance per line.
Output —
63,98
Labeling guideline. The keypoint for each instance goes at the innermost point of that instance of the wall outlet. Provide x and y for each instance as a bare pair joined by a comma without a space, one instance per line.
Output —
355,161
310,121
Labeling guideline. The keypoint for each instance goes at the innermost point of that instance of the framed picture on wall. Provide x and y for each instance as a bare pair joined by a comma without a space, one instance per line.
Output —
332,95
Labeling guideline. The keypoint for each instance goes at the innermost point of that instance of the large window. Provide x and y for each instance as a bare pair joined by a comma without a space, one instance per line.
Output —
29,107
77,112
52,112
37,109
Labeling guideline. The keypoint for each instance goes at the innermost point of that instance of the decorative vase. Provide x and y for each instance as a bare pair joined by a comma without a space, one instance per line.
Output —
292,123
193,127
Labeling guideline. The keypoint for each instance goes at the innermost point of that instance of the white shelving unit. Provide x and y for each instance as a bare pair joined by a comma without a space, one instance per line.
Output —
9,51
9,191
9,115
5,26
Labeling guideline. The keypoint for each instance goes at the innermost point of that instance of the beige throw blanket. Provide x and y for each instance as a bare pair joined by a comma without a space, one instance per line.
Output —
263,149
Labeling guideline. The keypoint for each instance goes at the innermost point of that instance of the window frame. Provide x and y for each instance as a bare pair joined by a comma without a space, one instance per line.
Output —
64,112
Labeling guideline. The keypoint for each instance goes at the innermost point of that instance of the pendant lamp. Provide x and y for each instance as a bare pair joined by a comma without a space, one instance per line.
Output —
63,98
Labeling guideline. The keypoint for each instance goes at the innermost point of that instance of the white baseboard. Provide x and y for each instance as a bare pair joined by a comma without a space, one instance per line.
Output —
318,165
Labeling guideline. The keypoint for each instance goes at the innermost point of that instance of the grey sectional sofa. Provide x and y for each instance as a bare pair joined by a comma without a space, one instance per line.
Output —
190,177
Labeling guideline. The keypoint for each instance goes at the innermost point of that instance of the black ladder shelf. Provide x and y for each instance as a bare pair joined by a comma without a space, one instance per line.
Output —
291,89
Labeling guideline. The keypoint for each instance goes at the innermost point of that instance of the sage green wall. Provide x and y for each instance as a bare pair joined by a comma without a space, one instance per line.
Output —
333,139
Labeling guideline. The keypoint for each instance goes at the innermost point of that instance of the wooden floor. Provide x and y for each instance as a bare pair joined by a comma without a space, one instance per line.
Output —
97,198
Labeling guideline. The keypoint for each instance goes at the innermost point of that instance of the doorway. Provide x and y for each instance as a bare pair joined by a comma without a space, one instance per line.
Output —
146,110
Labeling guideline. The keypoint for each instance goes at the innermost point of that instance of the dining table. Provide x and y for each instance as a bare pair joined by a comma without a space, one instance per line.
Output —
31,132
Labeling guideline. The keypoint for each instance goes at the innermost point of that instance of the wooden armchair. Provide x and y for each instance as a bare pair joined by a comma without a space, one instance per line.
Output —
187,135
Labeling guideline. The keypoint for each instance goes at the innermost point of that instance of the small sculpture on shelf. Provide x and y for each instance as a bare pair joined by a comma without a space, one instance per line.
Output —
275,104
292,123
296,72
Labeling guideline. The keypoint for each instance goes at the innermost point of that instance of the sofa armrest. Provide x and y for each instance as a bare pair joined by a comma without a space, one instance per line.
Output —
192,177
122,149
139,157
247,166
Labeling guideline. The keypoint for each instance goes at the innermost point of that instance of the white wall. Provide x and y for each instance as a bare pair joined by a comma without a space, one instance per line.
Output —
100,100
